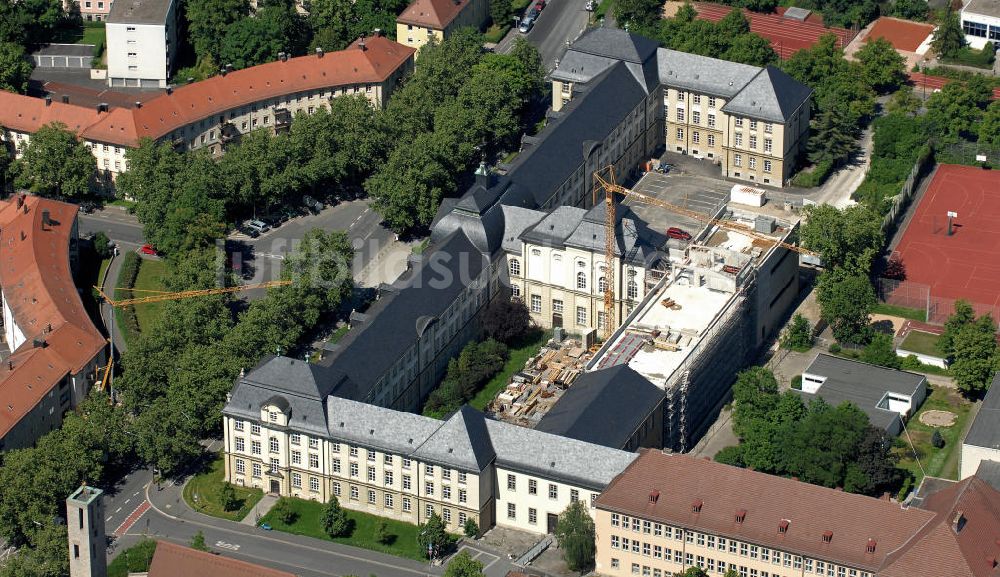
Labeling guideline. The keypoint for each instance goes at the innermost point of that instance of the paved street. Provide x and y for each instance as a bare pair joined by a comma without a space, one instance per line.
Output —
559,22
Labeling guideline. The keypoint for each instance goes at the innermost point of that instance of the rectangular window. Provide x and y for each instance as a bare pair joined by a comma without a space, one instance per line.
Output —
354,470
387,460
711,102
354,451
615,519
314,484
240,445
738,122
695,137
296,457
657,551
334,447
371,456
388,479
254,428
532,487
463,495
768,128
313,443
737,160
446,515
406,463
536,303
753,162
635,568
446,474
461,477
553,491
581,316
255,447
680,134
388,501
406,504
445,492
557,306
238,425
511,483
272,445
738,139
336,489
696,99
371,474
532,516
574,495
407,486
768,145
711,140
767,165
615,542
314,461
429,489
336,465
753,141
680,115
295,438
753,125
511,511
743,549
241,467
429,469
646,549
371,497
354,492
256,469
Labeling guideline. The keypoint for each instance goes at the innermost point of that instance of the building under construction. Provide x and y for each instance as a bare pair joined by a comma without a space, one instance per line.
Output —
725,295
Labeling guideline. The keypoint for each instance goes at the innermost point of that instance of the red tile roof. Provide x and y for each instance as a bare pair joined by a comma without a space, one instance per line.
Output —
191,103
436,14
172,560
811,511
971,506
39,290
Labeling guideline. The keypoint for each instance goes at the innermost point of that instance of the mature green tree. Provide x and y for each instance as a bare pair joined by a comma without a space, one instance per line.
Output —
55,163
463,565
227,498
407,190
825,443
6,167
881,351
432,536
832,140
751,49
258,173
904,102
817,65
32,22
798,334
732,455
962,316
755,395
693,571
335,521
15,68
471,528
272,29
882,67
45,556
954,112
506,320
501,11
948,37
198,541
637,12
846,299
576,534
208,23
844,238
989,128
910,9
877,462
975,354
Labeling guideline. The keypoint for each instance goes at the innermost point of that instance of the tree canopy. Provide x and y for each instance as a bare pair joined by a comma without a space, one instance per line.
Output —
576,535
850,237
15,68
883,68
55,163
948,36
846,299
463,565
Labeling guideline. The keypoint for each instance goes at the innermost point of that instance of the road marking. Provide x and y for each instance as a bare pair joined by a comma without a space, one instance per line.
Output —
118,510
136,494
127,500
230,546
108,519
132,518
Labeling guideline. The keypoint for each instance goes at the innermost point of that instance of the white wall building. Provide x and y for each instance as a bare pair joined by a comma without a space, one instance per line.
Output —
981,23
982,443
142,42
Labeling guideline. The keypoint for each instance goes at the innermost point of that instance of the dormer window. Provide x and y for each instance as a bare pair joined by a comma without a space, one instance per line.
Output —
741,515
696,506
827,536
871,546
654,496
273,416
783,526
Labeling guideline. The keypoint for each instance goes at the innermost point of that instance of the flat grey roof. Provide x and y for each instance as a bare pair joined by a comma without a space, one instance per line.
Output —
984,7
139,11
985,430
697,193
862,384
65,50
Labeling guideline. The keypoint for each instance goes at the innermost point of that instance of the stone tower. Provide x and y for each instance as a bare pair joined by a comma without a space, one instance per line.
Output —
85,525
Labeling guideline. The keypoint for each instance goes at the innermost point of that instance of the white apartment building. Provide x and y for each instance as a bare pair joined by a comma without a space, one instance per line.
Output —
290,440
981,22
141,42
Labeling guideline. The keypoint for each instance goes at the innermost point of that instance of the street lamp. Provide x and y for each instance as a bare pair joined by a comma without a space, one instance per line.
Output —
923,70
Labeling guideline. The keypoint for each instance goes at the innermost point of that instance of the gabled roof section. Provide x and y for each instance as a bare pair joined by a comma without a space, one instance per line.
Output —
703,74
462,442
172,560
603,407
985,430
434,14
772,95
615,43
378,427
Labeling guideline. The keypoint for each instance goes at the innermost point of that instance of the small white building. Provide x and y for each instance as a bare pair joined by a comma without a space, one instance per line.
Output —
981,23
982,443
142,43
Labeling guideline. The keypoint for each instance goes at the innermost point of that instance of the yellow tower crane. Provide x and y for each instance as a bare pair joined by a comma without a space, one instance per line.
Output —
604,181
160,296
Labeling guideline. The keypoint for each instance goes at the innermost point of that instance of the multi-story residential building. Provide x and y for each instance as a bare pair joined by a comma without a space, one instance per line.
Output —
215,112
560,274
90,10
141,42
55,347
426,20
751,121
981,22
293,438
668,512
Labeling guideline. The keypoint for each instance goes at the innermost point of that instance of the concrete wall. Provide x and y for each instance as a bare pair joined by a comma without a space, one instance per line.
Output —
539,506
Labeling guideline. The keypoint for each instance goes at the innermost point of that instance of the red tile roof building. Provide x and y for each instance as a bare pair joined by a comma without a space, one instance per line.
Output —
55,346
666,512
211,112
424,20
172,560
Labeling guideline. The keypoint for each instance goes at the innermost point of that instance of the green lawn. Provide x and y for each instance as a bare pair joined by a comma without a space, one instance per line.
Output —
519,354
308,522
93,33
495,34
135,559
922,343
906,313
206,485
150,279
602,9
936,462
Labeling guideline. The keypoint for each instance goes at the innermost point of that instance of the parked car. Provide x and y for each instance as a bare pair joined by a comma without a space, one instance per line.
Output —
590,6
540,5
265,526
249,231
258,225
148,249
678,233
312,204
533,13
88,207
526,24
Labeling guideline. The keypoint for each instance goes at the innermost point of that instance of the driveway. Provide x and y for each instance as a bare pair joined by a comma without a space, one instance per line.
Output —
561,22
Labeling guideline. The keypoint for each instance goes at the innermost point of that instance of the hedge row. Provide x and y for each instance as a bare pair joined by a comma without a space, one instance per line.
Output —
126,279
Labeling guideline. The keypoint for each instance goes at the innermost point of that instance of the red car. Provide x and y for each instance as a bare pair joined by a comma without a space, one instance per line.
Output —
148,249
539,5
678,233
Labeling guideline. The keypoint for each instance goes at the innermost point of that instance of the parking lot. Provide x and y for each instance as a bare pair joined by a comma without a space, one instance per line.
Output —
692,192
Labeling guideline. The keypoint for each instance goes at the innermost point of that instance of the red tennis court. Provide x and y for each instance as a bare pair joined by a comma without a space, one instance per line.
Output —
965,265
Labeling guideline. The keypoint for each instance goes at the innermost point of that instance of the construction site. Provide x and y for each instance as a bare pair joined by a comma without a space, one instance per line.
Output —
728,289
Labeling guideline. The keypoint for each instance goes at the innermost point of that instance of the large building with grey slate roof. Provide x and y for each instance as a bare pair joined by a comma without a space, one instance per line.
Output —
982,442
289,439
751,121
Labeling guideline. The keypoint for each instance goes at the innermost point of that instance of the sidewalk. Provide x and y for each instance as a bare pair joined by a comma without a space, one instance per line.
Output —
259,510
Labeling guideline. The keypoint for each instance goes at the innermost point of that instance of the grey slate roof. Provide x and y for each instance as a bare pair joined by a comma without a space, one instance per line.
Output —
984,7
772,95
985,430
989,471
703,74
397,318
378,427
300,385
462,441
569,226
540,453
603,407
862,384
516,220
555,228
615,43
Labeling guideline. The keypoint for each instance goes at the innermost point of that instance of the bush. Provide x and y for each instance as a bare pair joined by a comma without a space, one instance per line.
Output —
335,521
102,245
227,498
283,512
476,364
471,529
798,335
382,533
797,382
937,440
910,363
835,348
126,279
814,177
731,456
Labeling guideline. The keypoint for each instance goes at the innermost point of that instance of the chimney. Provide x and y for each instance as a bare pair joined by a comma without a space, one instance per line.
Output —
65,99
170,90
361,44
827,536
783,526
696,506
48,101
46,221
319,52
378,32
138,104
958,521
